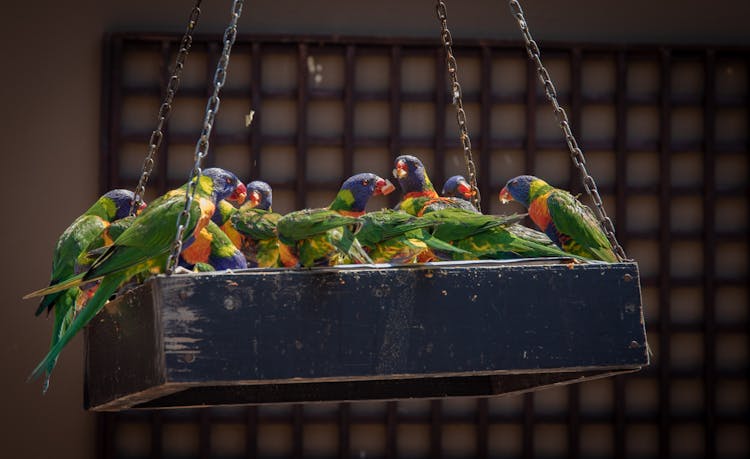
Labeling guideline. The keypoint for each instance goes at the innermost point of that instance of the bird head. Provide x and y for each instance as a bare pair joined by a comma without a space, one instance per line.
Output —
520,189
259,195
357,190
458,187
411,175
226,185
118,203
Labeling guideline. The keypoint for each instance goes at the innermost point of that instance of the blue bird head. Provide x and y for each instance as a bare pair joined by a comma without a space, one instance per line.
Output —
357,190
458,187
411,175
226,185
259,195
122,200
521,189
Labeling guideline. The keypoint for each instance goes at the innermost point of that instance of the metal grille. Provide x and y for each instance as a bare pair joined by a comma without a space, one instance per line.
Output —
665,130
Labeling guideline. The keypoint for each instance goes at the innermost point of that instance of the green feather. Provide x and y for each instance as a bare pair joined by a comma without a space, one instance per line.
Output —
576,220
490,236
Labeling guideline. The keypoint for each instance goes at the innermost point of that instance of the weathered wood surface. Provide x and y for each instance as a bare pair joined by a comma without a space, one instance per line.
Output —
433,330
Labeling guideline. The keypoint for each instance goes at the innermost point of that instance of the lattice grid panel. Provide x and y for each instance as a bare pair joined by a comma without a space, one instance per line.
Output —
665,131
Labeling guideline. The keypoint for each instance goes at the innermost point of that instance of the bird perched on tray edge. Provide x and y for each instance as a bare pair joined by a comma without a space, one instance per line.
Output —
326,236
143,247
568,222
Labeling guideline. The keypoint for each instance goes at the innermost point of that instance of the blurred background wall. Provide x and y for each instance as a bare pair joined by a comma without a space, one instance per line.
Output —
51,86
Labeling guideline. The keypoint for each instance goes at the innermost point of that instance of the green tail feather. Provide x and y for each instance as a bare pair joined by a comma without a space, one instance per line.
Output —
48,302
74,281
107,287
437,244
349,245
358,254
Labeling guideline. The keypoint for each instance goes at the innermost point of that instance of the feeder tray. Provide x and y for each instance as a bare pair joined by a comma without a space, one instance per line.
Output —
364,332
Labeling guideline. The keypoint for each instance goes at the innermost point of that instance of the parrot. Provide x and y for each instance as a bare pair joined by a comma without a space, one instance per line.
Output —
212,247
87,228
393,236
222,216
458,187
326,236
419,195
143,248
570,224
255,224
490,237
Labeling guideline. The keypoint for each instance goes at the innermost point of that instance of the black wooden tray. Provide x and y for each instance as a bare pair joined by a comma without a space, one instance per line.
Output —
372,332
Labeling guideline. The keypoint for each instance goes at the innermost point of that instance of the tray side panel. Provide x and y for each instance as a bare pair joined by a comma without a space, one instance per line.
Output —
310,324
124,355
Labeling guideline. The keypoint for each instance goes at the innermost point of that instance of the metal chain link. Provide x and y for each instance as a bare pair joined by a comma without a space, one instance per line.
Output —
201,147
576,153
165,109
450,60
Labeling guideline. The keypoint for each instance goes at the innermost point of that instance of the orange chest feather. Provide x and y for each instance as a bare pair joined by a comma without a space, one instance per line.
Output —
199,250
207,211
539,212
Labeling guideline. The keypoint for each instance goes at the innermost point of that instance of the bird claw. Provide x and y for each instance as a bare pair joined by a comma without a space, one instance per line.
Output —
182,270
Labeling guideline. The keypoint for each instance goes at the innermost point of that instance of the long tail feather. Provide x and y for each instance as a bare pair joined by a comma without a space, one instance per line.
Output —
48,302
70,283
105,290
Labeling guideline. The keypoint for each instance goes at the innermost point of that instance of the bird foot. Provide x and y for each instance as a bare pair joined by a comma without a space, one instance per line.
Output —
182,270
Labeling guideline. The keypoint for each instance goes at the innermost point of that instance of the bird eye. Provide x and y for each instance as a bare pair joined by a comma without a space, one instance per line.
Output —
365,182
229,180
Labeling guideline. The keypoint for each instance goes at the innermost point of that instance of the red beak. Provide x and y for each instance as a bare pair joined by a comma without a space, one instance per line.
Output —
401,170
254,198
383,187
466,190
239,194
505,196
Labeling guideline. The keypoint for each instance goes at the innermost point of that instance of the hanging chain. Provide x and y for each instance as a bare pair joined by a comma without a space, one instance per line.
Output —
166,107
201,147
575,151
450,60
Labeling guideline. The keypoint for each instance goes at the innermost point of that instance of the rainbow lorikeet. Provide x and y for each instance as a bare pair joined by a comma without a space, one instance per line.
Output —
110,207
222,217
143,247
211,247
393,236
568,223
326,236
458,187
255,224
420,196
489,237
90,254
87,228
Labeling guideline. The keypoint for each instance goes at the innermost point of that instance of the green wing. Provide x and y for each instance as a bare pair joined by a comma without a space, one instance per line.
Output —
385,224
575,220
70,244
150,235
456,224
304,224
258,224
